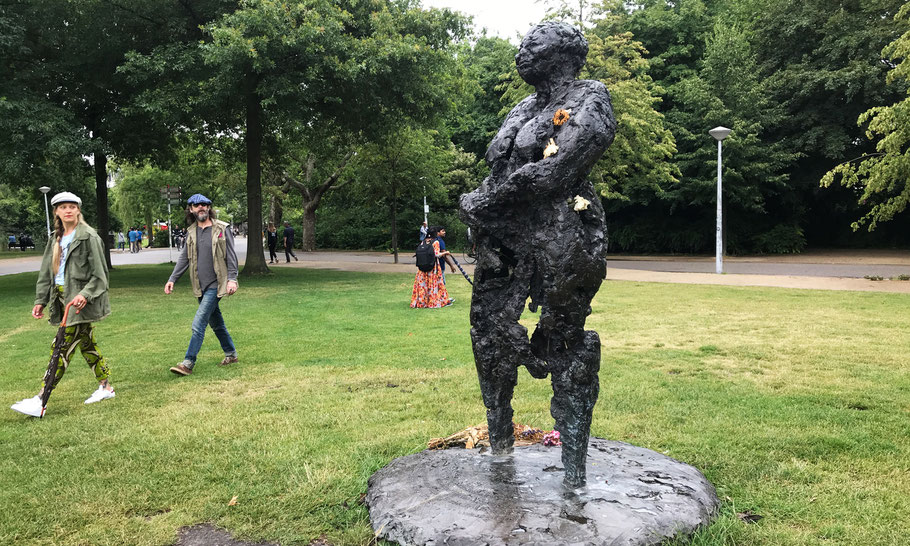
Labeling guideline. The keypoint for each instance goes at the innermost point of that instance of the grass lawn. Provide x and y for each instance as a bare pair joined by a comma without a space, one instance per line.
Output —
795,404
11,254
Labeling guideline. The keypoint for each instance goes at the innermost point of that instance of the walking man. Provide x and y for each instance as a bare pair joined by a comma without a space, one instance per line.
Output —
289,242
440,233
132,236
209,255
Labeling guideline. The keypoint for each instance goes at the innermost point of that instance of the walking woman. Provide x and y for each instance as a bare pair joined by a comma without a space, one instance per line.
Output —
272,241
73,271
429,288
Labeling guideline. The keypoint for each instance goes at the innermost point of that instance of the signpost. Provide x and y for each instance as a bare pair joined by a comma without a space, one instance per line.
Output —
172,195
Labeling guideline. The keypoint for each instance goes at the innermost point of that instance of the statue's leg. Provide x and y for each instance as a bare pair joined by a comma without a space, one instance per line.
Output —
497,378
572,354
575,390
498,341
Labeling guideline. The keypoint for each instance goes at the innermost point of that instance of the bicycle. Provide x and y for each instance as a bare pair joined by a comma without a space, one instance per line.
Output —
469,256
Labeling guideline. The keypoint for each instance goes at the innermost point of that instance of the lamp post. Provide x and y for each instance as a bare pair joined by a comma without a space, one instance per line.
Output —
719,133
426,209
47,214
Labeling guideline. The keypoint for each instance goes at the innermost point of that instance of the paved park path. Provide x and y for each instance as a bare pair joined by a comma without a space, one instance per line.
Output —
821,270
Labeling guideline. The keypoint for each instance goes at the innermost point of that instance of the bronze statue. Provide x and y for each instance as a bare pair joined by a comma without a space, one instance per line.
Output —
541,233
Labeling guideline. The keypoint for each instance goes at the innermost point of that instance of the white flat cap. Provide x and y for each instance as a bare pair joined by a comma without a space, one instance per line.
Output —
66,197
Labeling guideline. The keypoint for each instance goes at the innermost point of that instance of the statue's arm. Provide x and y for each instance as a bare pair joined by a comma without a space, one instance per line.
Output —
582,140
474,206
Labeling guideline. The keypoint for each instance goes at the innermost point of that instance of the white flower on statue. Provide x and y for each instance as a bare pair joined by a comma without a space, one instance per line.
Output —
581,203
551,149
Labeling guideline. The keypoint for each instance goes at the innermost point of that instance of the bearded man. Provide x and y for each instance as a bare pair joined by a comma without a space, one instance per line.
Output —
209,255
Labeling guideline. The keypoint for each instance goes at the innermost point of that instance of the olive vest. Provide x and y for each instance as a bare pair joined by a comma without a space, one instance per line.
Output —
219,257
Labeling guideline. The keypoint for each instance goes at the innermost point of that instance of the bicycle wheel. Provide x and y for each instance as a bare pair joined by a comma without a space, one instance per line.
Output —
468,257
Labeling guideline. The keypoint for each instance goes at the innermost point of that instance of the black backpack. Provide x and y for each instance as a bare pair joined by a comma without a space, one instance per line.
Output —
426,257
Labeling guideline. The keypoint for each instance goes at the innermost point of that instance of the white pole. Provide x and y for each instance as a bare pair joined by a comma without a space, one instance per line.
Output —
47,215
719,261
47,218
170,232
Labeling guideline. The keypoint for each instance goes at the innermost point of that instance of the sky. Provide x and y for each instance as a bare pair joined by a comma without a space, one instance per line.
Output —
503,18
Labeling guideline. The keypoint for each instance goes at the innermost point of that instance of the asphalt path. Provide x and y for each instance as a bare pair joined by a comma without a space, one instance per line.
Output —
837,269
764,268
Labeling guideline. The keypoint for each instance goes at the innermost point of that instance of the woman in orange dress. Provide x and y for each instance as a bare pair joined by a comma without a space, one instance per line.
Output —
429,288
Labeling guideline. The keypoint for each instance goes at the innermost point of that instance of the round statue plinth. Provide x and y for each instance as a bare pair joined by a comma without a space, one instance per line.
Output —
633,496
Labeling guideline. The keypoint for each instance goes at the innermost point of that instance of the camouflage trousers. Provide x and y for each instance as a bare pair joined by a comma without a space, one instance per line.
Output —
83,337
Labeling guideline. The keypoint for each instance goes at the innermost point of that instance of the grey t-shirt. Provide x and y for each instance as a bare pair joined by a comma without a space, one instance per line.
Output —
205,267
204,259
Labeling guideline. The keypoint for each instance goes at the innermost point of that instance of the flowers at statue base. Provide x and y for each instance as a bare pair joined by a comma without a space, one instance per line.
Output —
552,439
561,116
581,203
551,149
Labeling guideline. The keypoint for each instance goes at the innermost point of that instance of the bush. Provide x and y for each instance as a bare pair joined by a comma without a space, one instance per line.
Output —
160,239
781,239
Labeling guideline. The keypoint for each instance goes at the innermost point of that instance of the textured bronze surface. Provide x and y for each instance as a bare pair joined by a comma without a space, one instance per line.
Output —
533,243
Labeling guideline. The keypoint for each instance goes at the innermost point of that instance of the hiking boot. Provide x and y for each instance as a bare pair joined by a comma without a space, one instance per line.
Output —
99,395
228,360
182,369
30,406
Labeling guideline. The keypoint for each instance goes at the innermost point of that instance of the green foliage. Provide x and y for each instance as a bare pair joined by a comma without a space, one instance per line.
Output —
476,119
160,240
881,178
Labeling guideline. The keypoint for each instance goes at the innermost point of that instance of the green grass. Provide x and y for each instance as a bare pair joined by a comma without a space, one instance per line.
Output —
10,254
793,403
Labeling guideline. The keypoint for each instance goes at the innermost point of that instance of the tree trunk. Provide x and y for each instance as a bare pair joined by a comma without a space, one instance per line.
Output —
276,210
101,204
255,259
394,219
309,225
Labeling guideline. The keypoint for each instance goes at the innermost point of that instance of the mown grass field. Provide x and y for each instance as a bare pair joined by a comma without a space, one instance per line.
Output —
795,404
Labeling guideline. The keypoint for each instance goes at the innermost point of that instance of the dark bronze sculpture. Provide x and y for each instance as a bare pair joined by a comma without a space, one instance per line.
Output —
541,233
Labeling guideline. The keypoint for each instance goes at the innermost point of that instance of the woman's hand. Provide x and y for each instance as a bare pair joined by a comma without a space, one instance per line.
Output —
38,311
231,287
79,302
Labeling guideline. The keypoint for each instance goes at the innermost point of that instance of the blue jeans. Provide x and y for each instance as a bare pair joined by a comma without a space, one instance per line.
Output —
209,314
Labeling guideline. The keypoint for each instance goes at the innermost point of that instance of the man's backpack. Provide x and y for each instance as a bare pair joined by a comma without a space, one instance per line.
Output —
426,257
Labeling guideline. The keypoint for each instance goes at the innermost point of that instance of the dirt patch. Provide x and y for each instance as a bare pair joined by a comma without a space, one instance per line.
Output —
206,534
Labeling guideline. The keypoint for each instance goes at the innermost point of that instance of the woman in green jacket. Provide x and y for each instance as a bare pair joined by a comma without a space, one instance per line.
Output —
73,271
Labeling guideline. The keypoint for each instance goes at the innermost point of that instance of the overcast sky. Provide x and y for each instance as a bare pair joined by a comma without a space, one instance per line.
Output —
503,18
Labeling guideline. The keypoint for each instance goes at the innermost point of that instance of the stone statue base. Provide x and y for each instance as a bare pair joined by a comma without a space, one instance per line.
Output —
634,496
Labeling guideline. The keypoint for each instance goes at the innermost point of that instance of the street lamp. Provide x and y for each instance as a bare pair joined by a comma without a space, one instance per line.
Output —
719,133
47,215
426,209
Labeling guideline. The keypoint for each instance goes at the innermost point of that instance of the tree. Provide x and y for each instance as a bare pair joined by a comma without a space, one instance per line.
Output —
269,64
313,171
881,177
64,69
393,168
475,119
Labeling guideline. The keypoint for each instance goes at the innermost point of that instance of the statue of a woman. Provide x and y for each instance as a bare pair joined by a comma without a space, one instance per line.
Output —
540,232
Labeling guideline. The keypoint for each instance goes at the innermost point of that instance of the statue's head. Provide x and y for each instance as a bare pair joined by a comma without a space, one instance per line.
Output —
551,50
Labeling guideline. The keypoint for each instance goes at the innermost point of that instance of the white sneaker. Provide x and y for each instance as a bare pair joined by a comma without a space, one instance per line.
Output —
29,406
99,395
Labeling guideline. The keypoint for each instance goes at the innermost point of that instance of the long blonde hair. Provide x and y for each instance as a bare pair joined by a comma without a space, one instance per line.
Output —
58,234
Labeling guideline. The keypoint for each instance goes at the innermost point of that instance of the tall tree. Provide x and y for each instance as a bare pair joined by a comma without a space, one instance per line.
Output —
362,65
881,177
